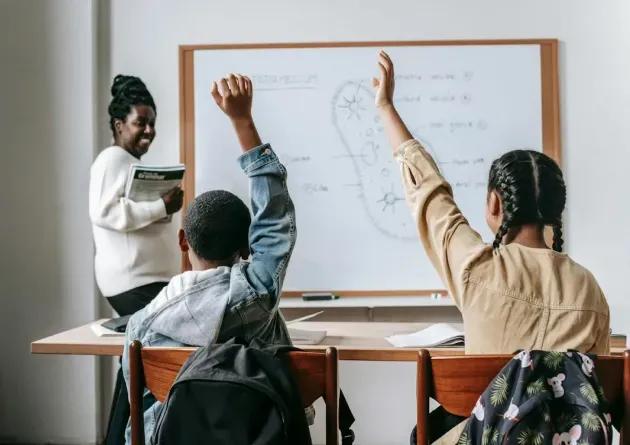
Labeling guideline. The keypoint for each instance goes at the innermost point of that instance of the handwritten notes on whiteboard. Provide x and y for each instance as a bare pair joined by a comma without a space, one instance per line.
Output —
466,104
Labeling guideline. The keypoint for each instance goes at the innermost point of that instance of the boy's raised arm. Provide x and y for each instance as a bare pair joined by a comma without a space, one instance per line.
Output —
272,232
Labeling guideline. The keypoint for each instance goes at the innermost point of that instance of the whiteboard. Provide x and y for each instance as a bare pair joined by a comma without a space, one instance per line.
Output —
466,103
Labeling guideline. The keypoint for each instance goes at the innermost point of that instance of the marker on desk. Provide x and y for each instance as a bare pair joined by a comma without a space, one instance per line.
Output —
319,296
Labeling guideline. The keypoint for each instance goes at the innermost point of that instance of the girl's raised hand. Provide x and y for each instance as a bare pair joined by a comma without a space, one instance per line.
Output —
384,84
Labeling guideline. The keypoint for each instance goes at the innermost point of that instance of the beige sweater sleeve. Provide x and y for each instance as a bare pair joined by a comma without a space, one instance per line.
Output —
602,342
448,239
602,345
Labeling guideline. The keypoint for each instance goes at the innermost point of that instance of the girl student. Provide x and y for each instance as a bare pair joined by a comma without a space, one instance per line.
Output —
516,293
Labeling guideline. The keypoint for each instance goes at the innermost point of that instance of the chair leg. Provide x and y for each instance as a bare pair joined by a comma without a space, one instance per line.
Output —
625,425
332,398
136,389
422,396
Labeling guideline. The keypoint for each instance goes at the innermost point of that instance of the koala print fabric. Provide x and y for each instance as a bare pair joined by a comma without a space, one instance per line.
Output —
542,398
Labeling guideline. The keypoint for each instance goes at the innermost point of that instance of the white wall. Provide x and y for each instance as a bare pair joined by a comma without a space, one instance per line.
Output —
595,91
46,124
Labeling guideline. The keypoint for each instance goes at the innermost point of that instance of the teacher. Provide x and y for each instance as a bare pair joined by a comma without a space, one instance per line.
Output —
135,250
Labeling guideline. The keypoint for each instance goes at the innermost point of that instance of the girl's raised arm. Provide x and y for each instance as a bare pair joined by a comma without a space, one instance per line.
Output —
451,244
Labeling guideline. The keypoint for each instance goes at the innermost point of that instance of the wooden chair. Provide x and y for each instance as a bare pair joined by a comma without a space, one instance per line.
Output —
156,368
456,382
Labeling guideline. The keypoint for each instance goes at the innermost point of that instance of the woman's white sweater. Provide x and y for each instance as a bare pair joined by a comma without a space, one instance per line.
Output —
132,249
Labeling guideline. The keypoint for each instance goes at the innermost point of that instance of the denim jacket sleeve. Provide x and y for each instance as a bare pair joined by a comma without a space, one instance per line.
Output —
272,232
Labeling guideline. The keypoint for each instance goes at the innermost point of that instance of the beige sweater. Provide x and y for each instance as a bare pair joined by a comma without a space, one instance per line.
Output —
511,298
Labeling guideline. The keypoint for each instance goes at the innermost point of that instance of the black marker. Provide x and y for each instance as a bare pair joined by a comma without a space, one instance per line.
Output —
319,296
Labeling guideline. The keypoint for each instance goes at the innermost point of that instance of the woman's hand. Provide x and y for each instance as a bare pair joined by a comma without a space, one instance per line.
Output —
384,84
173,200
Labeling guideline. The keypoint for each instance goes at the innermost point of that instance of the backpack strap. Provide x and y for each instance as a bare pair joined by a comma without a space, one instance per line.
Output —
346,419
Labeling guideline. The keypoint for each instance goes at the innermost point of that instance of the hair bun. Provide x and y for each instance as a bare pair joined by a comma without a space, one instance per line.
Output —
123,84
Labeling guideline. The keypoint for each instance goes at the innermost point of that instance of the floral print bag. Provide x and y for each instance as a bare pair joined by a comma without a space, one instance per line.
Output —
542,398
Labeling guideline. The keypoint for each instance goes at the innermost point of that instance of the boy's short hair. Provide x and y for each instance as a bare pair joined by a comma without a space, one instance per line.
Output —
217,225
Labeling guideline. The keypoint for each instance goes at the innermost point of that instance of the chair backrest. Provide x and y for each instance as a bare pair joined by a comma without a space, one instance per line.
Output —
156,368
456,382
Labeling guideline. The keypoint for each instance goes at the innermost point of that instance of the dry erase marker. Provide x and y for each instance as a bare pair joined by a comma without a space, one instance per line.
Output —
319,296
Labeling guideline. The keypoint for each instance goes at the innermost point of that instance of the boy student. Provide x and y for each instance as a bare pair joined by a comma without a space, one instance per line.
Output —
223,297
516,293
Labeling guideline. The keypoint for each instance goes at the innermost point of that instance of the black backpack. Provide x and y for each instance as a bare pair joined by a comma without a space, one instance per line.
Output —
233,394
542,398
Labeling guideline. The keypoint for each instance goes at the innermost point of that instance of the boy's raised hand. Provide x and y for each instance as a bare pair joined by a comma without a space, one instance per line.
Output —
233,95
384,84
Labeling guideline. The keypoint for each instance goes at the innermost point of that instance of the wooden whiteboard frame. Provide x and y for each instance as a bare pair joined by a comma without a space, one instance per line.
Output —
550,104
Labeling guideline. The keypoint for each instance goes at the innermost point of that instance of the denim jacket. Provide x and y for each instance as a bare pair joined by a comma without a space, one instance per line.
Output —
198,308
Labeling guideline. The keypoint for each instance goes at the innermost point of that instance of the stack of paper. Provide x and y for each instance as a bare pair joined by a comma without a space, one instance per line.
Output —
439,334
619,341
306,337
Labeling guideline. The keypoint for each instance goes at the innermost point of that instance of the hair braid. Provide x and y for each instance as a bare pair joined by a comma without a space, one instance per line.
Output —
498,239
551,198
557,236
507,188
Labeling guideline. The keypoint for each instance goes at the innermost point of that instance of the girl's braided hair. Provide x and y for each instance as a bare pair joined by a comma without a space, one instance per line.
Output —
532,191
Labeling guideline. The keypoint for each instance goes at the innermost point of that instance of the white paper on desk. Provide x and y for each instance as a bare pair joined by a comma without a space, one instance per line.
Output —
102,331
306,337
439,334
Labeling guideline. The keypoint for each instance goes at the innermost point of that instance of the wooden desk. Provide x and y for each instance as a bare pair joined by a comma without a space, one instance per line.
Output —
354,341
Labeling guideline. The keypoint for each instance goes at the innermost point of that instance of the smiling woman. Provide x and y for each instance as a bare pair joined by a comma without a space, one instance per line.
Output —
136,132
135,250
135,255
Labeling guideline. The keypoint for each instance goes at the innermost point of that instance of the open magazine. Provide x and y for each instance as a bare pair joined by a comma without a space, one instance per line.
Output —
148,183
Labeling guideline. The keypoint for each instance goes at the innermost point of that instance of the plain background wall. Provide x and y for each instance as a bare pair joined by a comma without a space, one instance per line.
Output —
47,128
50,120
